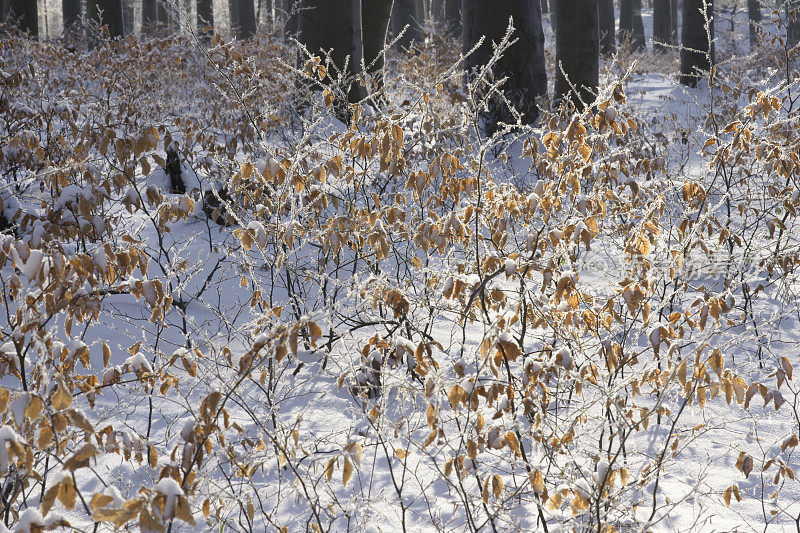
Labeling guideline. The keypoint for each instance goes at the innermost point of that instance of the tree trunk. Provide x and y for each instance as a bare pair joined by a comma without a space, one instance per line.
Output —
639,43
625,20
246,16
292,26
233,16
128,27
149,16
697,54
754,14
673,13
662,31
577,52
165,19
71,12
108,13
335,26
26,12
606,23
522,64
545,7
406,17
792,10
375,16
452,15
553,14
205,15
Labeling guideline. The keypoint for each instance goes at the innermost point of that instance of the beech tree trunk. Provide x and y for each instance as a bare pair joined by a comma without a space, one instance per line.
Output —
406,17
375,16
631,26
697,53
662,25
26,12
205,14
754,14
625,20
128,27
639,43
452,15
71,12
246,18
792,10
607,24
107,13
233,16
673,13
522,64
149,16
292,26
577,52
335,26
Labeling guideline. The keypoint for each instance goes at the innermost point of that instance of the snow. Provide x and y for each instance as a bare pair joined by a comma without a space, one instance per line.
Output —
138,363
30,520
7,433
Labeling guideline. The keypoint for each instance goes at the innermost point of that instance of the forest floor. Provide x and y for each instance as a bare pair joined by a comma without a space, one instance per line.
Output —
399,324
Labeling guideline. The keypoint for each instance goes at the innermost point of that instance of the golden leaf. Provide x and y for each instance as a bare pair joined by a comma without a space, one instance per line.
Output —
62,398
538,482
329,468
80,458
106,355
148,523
347,473
49,498
67,493
100,500
183,512
497,486
716,362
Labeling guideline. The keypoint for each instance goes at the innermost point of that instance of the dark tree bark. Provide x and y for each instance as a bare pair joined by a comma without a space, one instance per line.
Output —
71,12
577,52
375,16
149,16
522,64
697,53
166,20
452,15
111,16
246,17
292,26
404,13
335,26
639,43
107,13
606,23
662,25
754,14
792,10
26,12
233,16
625,20
545,7
205,15
673,14
127,17
631,26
